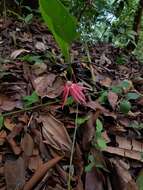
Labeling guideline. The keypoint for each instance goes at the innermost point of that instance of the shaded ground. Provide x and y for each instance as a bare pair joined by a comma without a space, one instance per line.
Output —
36,129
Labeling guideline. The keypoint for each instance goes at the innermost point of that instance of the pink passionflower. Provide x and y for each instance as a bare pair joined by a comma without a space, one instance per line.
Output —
75,90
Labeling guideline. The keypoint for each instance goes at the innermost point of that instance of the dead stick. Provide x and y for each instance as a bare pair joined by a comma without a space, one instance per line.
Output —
41,172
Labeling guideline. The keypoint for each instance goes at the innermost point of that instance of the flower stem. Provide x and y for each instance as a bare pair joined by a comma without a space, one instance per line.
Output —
72,151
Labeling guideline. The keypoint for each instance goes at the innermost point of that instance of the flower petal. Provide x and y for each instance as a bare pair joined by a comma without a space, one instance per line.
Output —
65,94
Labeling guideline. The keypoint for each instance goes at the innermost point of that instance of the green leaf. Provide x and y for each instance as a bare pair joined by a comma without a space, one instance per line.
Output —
101,143
99,126
125,106
82,120
140,180
89,167
103,97
29,100
28,18
1,121
69,101
60,22
132,96
125,84
117,89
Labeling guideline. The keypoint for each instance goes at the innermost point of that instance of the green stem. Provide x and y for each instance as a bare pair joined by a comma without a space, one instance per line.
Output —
29,109
72,150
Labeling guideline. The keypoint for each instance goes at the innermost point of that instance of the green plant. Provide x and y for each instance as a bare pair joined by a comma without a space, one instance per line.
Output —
93,162
62,24
29,100
98,141
125,106
1,121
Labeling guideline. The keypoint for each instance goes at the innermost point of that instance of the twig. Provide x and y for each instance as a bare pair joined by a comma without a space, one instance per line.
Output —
90,63
72,150
41,172
29,108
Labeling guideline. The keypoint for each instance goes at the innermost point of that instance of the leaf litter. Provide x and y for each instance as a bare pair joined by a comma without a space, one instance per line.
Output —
35,144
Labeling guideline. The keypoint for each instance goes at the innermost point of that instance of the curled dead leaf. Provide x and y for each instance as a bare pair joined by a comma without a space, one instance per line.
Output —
16,53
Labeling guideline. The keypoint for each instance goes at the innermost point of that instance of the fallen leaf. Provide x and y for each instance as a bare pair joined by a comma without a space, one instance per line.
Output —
27,144
9,124
6,104
106,82
55,133
14,174
39,68
129,144
40,46
34,163
3,136
121,176
94,180
125,153
95,105
16,53
112,98
49,86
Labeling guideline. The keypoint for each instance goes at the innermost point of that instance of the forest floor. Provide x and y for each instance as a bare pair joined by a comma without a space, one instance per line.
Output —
37,134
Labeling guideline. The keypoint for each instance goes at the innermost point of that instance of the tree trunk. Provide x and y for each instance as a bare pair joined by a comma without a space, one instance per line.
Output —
136,26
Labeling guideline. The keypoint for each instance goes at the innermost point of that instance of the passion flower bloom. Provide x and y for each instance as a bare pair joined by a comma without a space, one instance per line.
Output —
75,90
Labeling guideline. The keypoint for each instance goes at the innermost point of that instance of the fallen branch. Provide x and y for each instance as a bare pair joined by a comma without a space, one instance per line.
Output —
39,174
29,108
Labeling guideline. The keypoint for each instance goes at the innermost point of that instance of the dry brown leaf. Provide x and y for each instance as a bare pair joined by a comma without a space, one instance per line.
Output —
140,101
106,82
34,162
16,53
55,133
15,174
27,144
95,105
89,130
129,144
49,86
40,46
94,180
8,123
38,69
6,104
112,98
3,136
122,178
125,153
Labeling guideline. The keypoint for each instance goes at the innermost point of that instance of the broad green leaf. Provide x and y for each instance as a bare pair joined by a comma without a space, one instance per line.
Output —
99,126
1,121
82,120
101,143
29,100
60,22
125,106
132,96
140,180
